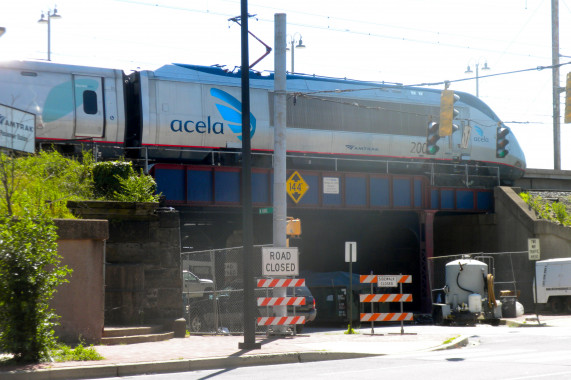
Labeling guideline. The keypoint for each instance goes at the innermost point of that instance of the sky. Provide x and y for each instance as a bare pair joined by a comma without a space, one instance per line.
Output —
406,41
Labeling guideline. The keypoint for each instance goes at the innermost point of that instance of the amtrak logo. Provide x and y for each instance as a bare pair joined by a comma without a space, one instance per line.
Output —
232,114
479,131
361,148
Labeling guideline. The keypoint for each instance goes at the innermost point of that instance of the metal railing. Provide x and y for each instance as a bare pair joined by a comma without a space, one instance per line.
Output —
458,174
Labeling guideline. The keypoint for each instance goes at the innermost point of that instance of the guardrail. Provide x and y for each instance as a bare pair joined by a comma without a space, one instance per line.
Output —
439,174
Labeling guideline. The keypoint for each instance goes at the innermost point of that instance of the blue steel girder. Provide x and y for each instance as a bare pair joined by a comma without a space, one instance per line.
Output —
204,185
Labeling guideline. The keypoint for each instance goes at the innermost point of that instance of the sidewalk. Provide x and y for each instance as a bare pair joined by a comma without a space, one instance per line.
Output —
210,352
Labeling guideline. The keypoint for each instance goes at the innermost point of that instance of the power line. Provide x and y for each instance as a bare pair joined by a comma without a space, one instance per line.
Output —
538,68
344,30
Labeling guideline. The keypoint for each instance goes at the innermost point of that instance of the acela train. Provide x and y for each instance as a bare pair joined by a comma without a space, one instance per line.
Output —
185,113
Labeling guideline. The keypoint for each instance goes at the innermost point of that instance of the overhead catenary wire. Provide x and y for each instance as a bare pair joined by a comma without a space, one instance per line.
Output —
347,30
313,94
537,68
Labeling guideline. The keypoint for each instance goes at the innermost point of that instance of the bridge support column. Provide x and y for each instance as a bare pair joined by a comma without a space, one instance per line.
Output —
426,254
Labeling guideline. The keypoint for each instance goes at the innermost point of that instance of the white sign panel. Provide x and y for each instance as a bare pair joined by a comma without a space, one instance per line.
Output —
387,281
231,269
17,129
330,185
350,251
533,249
280,261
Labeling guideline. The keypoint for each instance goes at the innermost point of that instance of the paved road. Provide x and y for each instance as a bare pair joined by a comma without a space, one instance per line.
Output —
502,352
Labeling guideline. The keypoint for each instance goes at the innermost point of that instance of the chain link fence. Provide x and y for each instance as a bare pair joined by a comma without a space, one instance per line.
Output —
213,290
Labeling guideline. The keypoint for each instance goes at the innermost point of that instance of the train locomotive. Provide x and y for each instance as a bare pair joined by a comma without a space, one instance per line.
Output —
192,114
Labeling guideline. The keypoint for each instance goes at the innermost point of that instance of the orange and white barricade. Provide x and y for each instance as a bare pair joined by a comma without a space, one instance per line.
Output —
385,281
281,301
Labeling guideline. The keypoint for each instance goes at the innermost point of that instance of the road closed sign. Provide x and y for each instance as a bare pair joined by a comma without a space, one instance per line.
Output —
280,261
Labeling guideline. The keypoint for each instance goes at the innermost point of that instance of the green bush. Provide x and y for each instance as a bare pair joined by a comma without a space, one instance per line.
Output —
117,181
107,177
45,181
30,272
137,188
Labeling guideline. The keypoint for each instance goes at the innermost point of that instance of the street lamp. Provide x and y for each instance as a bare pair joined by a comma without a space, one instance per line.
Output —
469,71
300,45
48,20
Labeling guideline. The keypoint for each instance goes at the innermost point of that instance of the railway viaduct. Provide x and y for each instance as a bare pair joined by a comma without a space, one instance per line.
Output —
401,223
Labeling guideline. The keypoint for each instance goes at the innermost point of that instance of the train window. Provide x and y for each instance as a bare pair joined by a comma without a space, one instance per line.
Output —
90,102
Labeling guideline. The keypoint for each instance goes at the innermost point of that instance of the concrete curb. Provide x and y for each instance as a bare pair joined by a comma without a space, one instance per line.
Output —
461,341
131,369
522,324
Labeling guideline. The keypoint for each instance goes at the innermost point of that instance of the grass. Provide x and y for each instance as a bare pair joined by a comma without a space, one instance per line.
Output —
350,330
61,353
64,353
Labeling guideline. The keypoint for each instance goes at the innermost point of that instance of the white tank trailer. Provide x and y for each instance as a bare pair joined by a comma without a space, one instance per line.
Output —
468,295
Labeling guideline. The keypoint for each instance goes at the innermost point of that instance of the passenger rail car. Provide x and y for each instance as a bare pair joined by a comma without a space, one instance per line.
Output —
183,113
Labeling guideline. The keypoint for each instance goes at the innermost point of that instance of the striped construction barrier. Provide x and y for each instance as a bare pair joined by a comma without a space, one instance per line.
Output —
385,297
281,282
278,321
373,278
386,317
281,301
384,281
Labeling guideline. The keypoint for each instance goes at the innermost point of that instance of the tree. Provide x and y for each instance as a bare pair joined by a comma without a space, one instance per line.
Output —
30,270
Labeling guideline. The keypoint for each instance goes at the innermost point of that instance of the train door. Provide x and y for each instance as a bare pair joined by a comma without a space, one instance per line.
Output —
89,111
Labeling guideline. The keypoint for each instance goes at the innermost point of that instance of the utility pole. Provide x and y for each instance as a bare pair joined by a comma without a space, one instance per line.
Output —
556,90
247,219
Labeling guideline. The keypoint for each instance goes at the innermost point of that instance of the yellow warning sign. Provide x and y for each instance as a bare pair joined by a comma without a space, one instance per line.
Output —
296,186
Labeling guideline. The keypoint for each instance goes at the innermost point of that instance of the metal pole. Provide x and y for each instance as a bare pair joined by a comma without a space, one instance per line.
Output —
280,200
401,310
292,53
350,330
555,76
280,204
372,310
247,222
49,35
477,81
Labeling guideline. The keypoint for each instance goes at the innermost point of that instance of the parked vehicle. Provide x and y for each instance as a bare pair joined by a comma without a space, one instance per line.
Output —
553,282
308,310
195,287
226,310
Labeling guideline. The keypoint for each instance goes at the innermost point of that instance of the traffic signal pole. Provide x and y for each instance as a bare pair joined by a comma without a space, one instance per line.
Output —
280,109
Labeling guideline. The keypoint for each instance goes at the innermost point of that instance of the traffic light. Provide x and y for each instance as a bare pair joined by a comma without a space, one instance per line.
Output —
293,227
568,99
501,142
432,138
448,112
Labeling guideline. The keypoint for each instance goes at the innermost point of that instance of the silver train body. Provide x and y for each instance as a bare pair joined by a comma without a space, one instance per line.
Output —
183,113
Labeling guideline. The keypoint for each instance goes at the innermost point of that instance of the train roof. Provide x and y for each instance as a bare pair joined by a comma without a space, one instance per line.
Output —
305,83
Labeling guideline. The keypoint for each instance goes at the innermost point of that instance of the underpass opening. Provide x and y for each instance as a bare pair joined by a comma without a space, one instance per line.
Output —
388,242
